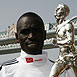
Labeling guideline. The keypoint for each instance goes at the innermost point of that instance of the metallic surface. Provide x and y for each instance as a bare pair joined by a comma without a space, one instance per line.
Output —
65,40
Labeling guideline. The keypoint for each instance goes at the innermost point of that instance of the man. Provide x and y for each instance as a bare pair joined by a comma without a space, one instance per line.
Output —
65,40
33,62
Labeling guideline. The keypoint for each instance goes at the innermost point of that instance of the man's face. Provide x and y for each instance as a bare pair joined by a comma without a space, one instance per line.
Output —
31,35
60,13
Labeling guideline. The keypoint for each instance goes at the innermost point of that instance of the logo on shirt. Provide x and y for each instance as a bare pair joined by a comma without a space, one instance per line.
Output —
29,60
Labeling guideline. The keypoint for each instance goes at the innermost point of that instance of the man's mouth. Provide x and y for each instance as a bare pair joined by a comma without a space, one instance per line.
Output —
32,45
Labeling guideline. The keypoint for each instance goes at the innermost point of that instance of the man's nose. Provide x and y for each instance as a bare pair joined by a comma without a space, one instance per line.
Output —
30,35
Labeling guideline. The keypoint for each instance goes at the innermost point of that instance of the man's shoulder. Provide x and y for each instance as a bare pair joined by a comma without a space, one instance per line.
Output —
9,63
68,25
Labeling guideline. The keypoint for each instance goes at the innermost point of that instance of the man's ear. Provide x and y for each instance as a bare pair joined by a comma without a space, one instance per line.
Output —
16,37
45,35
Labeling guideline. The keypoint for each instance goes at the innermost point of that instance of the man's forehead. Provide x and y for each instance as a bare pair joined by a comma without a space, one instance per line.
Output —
30,21
31,26
27,19
23,19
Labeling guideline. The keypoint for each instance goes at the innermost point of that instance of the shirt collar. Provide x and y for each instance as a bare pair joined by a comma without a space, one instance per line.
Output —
40,59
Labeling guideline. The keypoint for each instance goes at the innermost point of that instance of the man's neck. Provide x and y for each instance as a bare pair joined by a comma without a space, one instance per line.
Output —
59,21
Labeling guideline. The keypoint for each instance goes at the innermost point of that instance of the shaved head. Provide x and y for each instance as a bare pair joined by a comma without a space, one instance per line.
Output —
31,16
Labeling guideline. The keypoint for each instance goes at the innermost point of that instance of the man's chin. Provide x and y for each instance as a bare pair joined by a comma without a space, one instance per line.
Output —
32,49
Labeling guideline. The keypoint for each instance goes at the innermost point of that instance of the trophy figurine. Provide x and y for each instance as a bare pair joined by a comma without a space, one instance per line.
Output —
65,40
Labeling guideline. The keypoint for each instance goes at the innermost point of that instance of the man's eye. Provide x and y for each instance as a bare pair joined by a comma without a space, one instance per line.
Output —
36,31
27,31
24,32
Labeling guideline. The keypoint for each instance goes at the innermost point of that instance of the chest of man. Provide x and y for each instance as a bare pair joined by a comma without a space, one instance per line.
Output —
61,32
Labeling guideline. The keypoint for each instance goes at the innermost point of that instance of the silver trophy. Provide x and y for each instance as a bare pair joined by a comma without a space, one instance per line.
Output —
65,40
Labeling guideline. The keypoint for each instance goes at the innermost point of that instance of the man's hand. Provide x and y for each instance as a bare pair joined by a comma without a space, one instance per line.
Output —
54,41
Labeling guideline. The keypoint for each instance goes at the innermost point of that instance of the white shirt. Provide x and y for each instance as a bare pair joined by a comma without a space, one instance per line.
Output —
27,66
